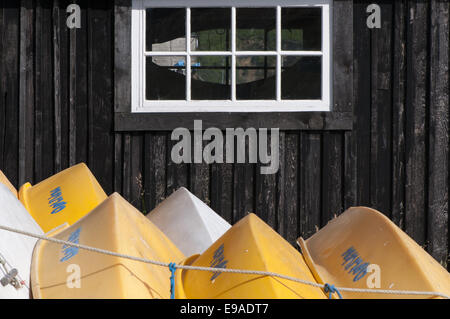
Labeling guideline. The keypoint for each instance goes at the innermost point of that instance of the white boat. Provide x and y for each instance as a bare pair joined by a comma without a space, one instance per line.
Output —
15,250
188,222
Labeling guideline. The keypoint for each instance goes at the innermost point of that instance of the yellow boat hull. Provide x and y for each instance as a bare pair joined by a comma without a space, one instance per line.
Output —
115,225
62,198
8,184
363,249
251,245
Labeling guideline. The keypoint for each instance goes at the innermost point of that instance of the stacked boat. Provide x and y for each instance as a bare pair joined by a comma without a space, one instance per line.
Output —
101,246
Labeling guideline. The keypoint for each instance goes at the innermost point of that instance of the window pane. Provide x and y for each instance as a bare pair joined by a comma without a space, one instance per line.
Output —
301,29
166,29
301,78
210,29
255,29
166,78
211,78
255,77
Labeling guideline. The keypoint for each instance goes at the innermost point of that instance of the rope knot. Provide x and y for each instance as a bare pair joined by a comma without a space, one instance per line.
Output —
331,289
173,269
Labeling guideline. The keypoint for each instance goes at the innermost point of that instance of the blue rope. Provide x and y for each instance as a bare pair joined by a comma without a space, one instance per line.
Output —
172,268
331,289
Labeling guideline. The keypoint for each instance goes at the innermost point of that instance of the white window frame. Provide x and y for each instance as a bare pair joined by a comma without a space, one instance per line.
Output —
138,56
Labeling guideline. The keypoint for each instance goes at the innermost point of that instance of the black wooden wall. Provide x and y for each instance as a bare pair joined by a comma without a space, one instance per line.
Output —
56,109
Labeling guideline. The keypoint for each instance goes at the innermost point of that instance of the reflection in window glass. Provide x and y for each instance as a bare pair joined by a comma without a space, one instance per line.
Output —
211,78
210,29
301,29
301,78
255,29
166,78
211,72
166,29
255,77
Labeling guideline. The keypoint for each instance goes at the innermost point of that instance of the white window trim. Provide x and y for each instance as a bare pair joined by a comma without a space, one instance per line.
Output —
138,54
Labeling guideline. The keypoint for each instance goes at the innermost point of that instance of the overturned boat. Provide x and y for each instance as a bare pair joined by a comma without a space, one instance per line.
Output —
250,244
62,198
15,249
363,249
65,272
188,222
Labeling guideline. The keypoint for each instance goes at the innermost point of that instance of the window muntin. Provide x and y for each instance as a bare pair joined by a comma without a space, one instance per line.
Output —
249,57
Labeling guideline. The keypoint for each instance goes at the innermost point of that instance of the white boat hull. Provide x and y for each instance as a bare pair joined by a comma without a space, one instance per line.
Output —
191,224
16,249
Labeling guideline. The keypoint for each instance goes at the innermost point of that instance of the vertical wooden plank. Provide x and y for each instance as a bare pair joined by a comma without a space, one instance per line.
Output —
222,189
281,218
122,56
78,89
44,93
57,79
398,113
122,67
350,170
266,191
310,183
62,82
74,68
38,120
332,175
288,189
133,177
137,171
26,92
244,195
155,168
342,60
9,90
199,179
362,91
177,174
100,92
118,162
438,157
126,166
416,95
381,120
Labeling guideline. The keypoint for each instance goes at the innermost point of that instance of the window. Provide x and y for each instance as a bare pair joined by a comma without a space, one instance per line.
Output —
233,63
230,56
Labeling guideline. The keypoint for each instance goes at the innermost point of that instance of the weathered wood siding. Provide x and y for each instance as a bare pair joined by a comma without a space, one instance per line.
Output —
57,109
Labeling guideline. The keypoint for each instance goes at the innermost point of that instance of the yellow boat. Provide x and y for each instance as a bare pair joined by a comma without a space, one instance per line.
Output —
115,225
362,248
7,183
251,245
62,198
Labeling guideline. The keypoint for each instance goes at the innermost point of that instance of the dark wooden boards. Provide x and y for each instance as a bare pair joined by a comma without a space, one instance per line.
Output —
381,111
398,113
416,120
388,148
9,89
438,154
26,92
100,91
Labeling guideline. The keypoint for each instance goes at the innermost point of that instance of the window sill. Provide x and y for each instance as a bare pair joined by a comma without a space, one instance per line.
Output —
126,121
